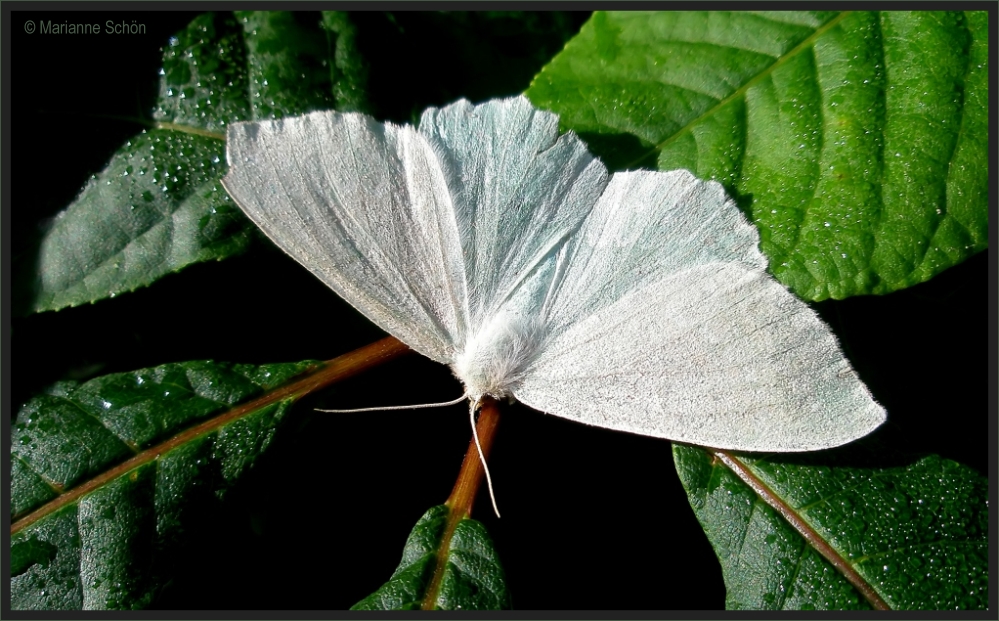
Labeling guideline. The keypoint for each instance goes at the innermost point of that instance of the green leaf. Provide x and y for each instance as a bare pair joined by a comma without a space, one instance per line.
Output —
158,206
118,491
30,552
290,65
472,577
856,141
204,80
349,71
914,534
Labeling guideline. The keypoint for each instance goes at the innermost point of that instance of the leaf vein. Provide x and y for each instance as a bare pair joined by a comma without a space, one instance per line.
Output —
55,487
806,43
79,406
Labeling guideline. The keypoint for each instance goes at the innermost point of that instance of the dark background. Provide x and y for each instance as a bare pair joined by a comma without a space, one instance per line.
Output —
592,519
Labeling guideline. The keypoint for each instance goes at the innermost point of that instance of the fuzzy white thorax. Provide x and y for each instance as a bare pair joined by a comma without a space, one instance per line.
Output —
497,356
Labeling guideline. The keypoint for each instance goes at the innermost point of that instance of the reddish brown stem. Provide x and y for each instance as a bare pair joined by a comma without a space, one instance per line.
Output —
466,488
331,372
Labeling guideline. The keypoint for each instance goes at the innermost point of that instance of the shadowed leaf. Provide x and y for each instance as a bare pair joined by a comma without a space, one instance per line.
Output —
104,538
916,534
158,205
472,579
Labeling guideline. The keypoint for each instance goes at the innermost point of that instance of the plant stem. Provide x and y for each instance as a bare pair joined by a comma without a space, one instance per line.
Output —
330,372
465,489
470,476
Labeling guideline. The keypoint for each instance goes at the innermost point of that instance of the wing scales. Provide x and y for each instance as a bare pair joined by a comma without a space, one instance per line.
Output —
718,355
645,226
364,207
519,191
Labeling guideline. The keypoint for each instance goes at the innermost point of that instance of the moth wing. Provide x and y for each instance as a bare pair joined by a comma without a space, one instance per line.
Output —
645,226
717,355
365,207
663,322
519,191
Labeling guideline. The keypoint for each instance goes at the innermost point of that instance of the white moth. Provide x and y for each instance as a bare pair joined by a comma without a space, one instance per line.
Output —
484,240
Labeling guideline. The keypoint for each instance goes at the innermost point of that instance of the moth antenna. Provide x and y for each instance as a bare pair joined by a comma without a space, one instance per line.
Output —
401,407
475,435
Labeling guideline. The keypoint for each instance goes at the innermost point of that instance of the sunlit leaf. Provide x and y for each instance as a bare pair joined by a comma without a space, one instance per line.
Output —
856,141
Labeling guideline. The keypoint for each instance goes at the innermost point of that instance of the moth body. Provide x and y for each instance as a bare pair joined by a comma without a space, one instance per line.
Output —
497,357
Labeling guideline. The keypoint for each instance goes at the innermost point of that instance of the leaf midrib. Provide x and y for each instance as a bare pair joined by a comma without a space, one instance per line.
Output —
327,373
818,543
189,129
741,91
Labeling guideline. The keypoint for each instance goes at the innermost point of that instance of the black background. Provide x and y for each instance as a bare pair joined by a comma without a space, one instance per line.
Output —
592,519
